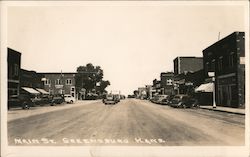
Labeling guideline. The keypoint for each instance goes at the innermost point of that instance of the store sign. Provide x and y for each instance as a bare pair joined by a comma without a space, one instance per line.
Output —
211,74
242,60
189,83
59,86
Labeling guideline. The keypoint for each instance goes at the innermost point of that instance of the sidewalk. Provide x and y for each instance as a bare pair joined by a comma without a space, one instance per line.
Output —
225,109
17,113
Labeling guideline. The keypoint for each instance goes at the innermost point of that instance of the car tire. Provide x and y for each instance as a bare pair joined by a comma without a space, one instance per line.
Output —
25,106
184,106
71,101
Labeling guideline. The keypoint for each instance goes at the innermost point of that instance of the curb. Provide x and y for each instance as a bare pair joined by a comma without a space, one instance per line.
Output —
222,111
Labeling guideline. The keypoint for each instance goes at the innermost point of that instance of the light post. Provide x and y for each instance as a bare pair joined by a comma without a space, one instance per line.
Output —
212,74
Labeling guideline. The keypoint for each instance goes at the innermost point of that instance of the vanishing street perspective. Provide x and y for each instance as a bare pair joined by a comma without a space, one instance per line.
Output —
126,75
200,103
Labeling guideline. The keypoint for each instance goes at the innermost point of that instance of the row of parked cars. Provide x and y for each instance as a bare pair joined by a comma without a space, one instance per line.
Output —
26,101
177,101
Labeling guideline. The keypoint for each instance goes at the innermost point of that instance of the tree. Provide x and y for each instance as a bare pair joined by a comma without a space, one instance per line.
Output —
88,77
103,85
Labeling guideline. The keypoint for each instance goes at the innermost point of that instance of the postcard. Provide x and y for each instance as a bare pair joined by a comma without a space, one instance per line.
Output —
124,78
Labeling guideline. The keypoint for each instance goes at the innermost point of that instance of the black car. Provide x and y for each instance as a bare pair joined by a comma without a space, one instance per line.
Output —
110,99
24,101
57,99
183,101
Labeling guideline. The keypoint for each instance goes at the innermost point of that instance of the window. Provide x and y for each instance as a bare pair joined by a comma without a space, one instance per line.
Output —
72,89
207,66
58,81
16,70
232,59
68,82
47,82
213,65
169,82
220,62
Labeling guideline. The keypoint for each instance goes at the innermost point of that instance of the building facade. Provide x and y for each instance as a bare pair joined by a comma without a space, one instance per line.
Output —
167,83
150,91
14,62
142,93
187,64
31,79
185,71
60,83
156,87
226,59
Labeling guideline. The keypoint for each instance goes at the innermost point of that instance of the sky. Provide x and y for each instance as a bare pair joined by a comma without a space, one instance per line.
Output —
132,43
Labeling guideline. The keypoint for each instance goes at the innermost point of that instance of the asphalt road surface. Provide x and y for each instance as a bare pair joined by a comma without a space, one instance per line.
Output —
131,122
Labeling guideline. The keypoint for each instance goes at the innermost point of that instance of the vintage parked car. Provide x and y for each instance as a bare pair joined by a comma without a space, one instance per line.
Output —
109,99
183,101
158,98
167,100
57,99
91,96
69,98
22,100
117,98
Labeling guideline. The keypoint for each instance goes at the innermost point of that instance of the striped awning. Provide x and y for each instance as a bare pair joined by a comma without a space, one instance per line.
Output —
30,90
42,91
207,87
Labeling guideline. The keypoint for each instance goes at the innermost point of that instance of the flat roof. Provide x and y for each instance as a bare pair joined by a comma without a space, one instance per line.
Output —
57,73
223,39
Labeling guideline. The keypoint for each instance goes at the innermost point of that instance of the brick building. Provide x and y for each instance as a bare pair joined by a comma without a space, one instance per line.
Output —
167,83
31,79
226,58
156,86
185,73
187,64
60,83
31,83
14,62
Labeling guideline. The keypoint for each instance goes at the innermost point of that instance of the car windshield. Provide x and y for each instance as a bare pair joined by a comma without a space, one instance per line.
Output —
177,97
109,96
175,101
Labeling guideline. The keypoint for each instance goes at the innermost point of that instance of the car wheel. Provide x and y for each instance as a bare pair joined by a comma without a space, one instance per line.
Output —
71,101
25,106
184,106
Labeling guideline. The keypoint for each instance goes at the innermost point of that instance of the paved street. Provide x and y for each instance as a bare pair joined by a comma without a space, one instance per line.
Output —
130,122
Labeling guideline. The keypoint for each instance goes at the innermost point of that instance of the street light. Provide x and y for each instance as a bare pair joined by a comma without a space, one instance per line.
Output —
212,74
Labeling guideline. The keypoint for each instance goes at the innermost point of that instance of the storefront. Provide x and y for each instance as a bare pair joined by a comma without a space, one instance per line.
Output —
227,90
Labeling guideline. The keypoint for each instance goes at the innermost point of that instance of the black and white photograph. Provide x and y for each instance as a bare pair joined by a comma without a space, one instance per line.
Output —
124,78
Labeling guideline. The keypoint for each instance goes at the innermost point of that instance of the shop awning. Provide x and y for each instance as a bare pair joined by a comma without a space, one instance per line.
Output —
207,87
42,91
30,90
